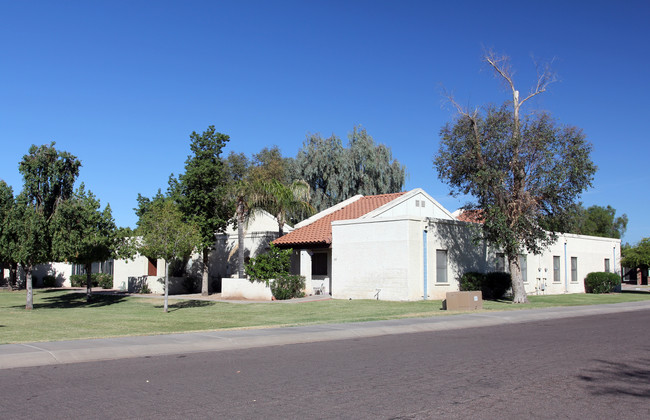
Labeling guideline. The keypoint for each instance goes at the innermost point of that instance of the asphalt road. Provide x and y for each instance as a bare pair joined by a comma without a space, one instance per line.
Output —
592,367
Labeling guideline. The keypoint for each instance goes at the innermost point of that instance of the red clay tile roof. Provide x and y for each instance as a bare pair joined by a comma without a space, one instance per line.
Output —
472,216
319,233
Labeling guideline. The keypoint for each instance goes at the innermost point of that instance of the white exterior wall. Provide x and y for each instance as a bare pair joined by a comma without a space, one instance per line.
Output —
236,288
388,254
463,255
129,273
224,259
590,252
60,270
260,231
375,256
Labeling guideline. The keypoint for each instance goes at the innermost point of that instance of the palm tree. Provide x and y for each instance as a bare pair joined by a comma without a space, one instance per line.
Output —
281,200
246,196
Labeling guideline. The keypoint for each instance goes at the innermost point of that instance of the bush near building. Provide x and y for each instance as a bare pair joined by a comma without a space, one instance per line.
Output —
272,268
492,285
49,281
600,282
103,280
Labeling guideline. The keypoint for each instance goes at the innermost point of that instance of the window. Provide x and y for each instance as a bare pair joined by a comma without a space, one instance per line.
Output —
607,265
574,269
152,267
96,267
319,264
78,269
501,263
556,268
441,266
523,264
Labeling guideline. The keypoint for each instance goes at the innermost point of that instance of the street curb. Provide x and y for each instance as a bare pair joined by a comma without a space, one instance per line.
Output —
77,351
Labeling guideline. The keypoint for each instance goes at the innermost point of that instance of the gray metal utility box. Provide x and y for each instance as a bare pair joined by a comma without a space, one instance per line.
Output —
463,301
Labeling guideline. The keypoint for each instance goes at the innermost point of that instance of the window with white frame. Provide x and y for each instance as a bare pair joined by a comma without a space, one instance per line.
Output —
441,266
556,269
574,269
607,268
523,264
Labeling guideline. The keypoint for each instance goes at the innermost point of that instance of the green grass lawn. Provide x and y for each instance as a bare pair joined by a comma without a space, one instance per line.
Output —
61,315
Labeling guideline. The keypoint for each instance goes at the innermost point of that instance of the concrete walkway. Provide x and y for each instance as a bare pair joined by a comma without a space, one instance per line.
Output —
214,297
61,352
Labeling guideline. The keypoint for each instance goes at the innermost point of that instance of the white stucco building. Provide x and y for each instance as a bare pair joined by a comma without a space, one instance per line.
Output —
406,246
131,274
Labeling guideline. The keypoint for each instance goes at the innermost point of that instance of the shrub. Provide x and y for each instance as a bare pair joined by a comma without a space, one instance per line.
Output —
144,289
271,265
472,281
497,283
287,286
274,265
492,285
104,280
49,281
78,280
600,282
191,284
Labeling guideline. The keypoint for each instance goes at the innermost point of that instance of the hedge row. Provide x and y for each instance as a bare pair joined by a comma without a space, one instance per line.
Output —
492,285
103,280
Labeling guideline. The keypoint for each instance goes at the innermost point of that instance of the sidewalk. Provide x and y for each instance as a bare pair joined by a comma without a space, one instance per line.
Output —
61,352
214,297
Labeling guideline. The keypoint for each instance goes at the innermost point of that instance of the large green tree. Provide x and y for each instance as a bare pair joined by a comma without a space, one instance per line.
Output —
7,203
601,221
637,255
28,238
82,233
202,192
166,235
335,173
261,183
269,164
521,169
49,177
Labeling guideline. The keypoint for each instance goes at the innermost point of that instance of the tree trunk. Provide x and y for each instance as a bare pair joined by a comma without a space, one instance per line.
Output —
518,289
89,281
28,285
204,282
166,284
280,220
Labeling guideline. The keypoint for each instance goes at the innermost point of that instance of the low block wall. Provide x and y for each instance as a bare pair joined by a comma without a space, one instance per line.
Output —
236,288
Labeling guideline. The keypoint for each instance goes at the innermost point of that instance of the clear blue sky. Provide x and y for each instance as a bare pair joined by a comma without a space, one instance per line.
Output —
122,84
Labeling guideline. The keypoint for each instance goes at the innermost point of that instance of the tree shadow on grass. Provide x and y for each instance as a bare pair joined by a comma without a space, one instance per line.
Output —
629,378
53,290
77,300
185,304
